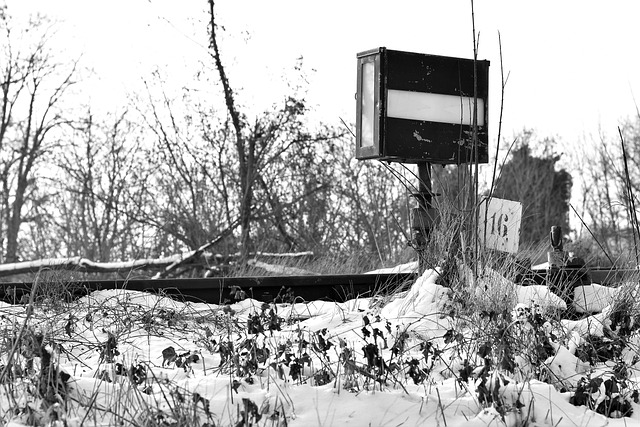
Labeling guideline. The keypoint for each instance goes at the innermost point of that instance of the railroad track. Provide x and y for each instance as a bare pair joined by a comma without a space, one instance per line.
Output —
221,290
340,287
599,275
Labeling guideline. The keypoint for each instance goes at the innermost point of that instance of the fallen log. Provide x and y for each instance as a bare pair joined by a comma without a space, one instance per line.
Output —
84,265
190,256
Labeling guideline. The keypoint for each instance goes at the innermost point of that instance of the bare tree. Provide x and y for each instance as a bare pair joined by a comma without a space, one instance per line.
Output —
363,208
188,195
103,186
600,206
537,182
33,85
264,149
246,148
605,199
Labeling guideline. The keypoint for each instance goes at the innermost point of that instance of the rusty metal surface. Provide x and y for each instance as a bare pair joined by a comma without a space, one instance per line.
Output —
220,290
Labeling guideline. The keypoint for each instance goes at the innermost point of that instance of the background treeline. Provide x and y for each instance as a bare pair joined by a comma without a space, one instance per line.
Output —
172,169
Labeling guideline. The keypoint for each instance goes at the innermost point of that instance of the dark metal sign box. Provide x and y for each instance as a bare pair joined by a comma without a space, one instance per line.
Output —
415,107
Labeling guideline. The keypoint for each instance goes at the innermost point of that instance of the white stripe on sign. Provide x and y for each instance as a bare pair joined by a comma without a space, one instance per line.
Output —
433,107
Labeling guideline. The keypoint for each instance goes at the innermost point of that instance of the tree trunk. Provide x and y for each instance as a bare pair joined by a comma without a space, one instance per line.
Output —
245,149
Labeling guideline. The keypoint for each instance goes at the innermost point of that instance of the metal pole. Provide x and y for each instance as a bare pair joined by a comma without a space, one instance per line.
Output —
424,174
423,215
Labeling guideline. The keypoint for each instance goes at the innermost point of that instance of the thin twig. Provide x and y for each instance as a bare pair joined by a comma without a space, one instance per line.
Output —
633,217
444,418
403,181
593,235
18,339
347,127
504,161
475,143
495,164
504,83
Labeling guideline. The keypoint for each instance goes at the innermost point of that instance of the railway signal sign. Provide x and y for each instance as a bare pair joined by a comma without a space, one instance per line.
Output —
414,108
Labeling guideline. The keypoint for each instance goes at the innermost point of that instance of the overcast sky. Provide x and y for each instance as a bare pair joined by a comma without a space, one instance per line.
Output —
573,65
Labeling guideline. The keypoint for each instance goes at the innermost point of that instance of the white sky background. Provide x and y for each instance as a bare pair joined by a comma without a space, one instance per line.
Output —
573,64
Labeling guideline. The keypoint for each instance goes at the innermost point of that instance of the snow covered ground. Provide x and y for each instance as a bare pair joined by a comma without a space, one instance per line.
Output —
130,358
